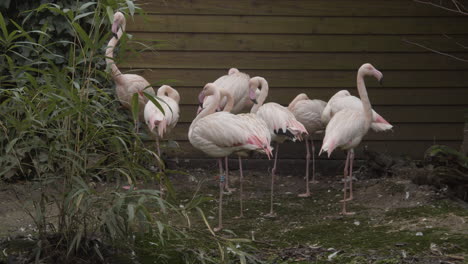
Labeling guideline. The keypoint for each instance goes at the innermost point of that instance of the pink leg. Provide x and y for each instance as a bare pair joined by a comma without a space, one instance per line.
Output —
307,193
313,161
350,176
226,186
241,179
344,212
220,202
273,171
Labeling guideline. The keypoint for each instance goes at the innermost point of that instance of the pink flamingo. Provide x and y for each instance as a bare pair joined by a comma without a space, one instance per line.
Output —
155,118
347,127
126,84
235,83
309,113
280,121
221,134
343,99
257,126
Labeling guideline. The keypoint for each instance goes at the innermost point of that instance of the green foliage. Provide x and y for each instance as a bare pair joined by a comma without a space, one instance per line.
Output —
62,129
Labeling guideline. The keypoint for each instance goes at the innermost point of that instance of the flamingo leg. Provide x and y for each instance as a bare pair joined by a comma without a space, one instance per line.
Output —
344,212
226,186
307,193
220,202
350,176
313,161
273,171
241,179
157,146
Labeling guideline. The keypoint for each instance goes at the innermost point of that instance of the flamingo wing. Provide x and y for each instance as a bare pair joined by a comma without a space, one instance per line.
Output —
309,113
281,122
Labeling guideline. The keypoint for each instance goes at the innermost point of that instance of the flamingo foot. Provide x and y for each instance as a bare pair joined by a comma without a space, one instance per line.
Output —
346,200
127,187
347,213
314,182
271,215
307,194
239,216
217,229
228,189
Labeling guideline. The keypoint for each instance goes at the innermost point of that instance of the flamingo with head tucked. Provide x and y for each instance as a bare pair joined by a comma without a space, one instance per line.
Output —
348,126
235,83
126,84
163,121
280,121
221,134
342,100
309,113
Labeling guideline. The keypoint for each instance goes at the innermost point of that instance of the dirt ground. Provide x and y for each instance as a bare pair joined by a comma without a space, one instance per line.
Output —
396,221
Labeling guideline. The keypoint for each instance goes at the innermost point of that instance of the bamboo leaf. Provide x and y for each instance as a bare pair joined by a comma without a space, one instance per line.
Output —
131,7
155,102
135,107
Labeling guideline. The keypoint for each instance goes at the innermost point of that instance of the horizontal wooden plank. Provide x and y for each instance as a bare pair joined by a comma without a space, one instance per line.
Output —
290,8
307,78
402,131
296,43
300,25
378,95
292,61
393,114
290,150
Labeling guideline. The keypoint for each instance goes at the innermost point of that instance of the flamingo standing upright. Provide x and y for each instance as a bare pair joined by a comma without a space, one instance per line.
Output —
220,134
342,100
309,113
126,84
348,126
280,121
164,121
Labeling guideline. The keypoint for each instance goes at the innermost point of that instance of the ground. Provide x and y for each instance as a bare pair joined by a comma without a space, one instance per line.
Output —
396,221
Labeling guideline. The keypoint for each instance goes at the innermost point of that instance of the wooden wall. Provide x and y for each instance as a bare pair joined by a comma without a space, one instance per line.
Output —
316,47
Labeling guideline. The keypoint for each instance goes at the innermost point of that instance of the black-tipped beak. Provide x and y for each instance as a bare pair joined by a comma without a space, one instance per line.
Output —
254,101
115,35
200,105
381,81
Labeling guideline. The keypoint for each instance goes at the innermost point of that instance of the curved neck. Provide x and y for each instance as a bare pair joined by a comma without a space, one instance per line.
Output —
299,97
170,92
211,108
263,94
110,54
229,101
367,108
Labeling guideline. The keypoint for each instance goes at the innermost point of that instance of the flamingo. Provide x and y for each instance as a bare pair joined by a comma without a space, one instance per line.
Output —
235,83
309,113
255,125
280,121
221,134
347,127
343,99
125,84
155,118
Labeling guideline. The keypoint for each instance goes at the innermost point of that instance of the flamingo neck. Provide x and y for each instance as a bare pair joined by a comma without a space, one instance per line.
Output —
211,108
263,95
171,93
299,97
116,74
367,108
229,100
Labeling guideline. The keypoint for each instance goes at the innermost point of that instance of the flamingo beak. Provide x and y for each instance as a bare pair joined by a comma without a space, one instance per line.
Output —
115,28
151,124
381,81
201,98
200,108
253,96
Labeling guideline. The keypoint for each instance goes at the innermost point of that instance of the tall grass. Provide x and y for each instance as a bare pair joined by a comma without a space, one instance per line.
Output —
62,129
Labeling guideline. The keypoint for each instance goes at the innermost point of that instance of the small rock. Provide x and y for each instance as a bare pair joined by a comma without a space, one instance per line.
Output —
333,255
419,234
357,223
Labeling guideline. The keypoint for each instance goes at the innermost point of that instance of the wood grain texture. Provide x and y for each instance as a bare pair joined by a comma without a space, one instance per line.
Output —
309,78
296,43
298,24
293,61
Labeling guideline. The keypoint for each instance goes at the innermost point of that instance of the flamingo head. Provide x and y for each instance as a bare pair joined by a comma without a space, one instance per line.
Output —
119,22
368,69
253,87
